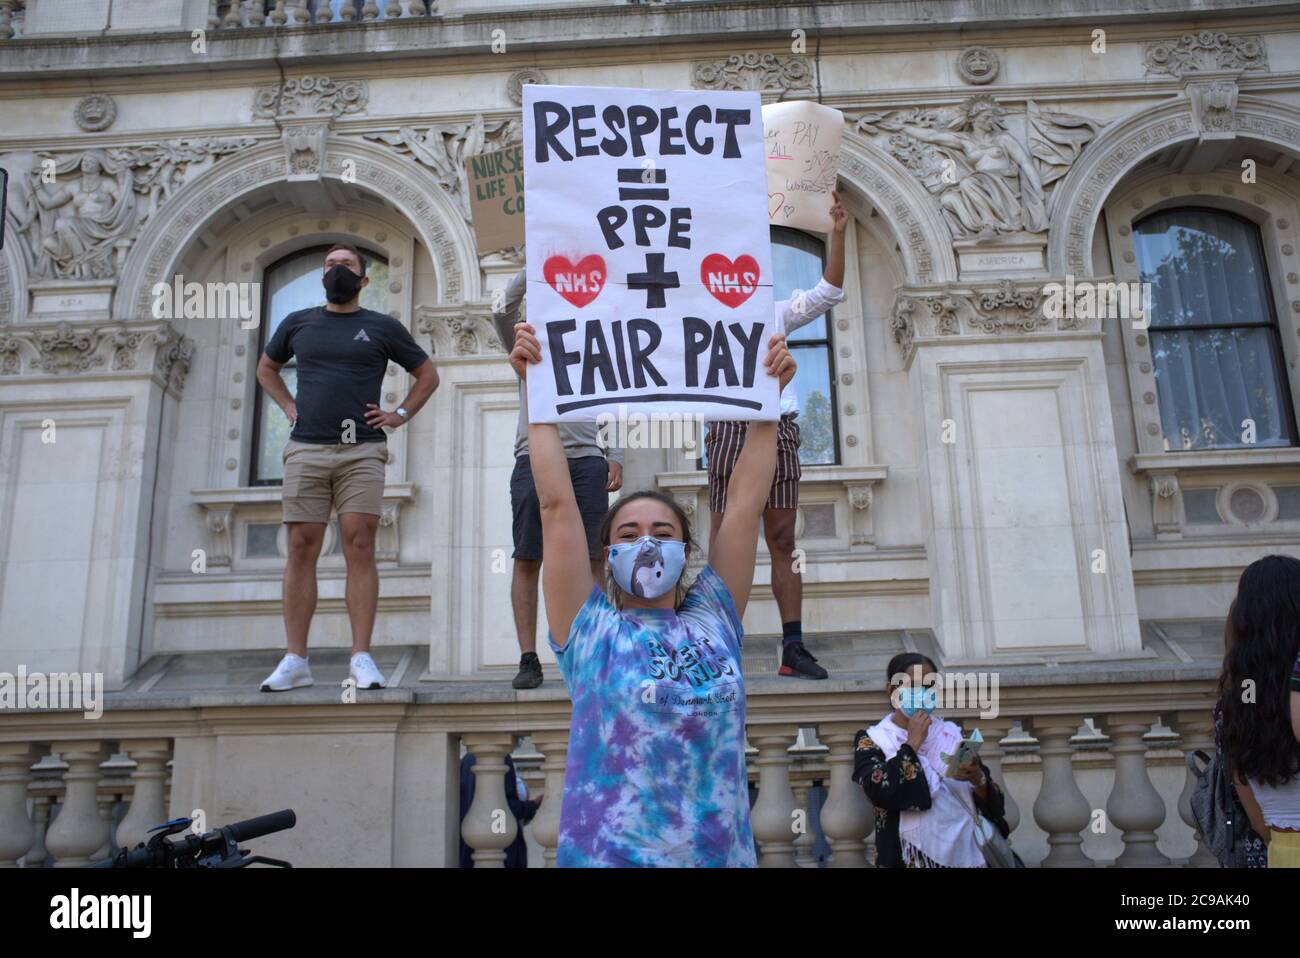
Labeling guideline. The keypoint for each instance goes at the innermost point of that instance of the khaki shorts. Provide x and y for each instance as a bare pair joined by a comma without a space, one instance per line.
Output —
347,477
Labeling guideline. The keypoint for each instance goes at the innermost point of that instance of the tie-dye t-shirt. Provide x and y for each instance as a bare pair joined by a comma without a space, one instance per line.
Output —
656,767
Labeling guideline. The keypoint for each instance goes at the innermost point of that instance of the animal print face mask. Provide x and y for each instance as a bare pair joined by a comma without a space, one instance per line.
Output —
648,567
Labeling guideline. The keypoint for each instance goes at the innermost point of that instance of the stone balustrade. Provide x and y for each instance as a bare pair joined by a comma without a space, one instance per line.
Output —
236,14
73,790
11,18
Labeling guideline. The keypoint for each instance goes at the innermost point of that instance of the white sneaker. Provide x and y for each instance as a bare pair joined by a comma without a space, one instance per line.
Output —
365,673
292,673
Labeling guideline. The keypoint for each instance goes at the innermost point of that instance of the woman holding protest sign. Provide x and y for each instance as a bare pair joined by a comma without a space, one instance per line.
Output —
655,774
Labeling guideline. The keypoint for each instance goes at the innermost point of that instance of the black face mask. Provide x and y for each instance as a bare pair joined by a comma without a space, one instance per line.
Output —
341,284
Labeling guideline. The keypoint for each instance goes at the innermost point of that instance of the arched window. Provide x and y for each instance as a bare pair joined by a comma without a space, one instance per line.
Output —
289,285
797,263
1217,353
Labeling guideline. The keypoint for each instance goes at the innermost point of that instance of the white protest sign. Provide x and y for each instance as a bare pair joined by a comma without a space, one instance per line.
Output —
649,256
803,160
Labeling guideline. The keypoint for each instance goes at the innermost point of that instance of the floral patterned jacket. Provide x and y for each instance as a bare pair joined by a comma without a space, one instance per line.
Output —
898,784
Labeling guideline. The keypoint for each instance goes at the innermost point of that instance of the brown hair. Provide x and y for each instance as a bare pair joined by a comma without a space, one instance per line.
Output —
361,260
612,590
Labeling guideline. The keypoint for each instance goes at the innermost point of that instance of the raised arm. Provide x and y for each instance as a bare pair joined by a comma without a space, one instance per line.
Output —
805,306
734,548
566,569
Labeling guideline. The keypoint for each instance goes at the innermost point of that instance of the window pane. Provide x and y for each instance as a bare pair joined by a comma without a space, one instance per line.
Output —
292,284
1210,382
812,383
1204,267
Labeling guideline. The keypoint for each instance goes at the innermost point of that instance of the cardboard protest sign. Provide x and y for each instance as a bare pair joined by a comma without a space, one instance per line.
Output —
803,160
496,198
649,257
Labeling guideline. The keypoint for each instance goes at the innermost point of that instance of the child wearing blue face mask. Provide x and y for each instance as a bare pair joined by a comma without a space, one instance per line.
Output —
924,819
655,773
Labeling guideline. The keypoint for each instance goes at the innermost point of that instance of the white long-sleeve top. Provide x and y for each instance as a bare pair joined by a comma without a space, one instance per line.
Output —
798,311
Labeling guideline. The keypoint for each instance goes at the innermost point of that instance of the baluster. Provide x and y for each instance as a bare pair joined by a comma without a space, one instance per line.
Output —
348,12
554,747
105,801
147,808
233,18
489,827
1134,804
256,13
803,844
772,816
416,8
1196,729
846,818
17,833
77,830
1060,808
36,855
369,11
214,18
994,731
6,19
278,15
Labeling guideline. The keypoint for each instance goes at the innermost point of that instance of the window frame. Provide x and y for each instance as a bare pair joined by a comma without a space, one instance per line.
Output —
828,343
1271,323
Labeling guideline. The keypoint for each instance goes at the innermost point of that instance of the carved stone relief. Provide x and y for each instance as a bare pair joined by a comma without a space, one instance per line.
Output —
443,148
95,112
985,181
79,213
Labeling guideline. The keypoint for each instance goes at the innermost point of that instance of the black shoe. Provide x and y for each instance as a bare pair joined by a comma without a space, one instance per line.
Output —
530,672
798,661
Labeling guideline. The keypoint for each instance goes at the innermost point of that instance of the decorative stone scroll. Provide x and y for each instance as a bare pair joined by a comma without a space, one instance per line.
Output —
459,329
755,71
1207,50
1005,309
311,96
69,349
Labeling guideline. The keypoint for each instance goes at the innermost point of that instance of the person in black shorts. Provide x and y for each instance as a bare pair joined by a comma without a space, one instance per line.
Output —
595,472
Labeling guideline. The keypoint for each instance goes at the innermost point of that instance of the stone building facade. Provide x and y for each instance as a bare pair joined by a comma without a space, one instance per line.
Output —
1005,484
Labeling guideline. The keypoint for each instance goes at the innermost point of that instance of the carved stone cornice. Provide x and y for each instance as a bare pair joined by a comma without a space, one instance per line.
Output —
1206,50
123,348
311,96
998,310
459,329
755,71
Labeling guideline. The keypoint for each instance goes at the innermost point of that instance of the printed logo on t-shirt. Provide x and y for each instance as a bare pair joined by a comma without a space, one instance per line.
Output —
696,678
361,335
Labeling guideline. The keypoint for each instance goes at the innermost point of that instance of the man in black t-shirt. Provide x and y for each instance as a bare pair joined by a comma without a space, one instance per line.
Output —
336,454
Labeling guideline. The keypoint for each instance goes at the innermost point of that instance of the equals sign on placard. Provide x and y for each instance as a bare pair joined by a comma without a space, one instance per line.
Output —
642,177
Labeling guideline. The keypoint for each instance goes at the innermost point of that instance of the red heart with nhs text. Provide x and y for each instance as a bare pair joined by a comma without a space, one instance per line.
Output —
579,282
730,281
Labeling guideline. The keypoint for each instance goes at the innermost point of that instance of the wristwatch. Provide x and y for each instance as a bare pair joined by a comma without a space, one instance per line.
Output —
401,411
